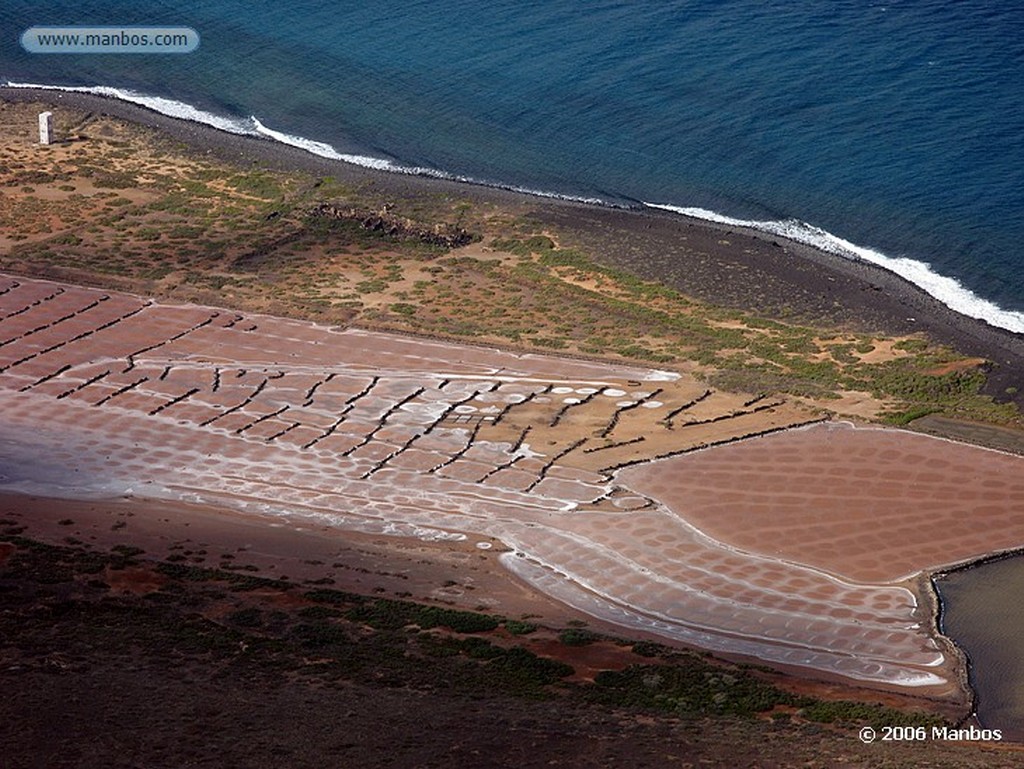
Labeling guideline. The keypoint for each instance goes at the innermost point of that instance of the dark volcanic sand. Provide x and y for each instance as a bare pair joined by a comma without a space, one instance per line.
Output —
749,270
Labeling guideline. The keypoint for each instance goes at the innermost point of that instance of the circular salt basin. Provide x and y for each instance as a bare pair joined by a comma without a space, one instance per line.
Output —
585,390
652,405
624,403
464,409
611,392
629,503
571,400
423,409
483,545
515,398
562,390
541,399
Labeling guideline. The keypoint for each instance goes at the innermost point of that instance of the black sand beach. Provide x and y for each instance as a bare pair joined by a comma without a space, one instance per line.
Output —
720,264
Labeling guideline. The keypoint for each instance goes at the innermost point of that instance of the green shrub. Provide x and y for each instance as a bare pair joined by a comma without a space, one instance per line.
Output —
908,416
518,627
523,667
575,636
693,688
648,649
319,612
911,345
844,711
317,635
403,308
334,597
385,614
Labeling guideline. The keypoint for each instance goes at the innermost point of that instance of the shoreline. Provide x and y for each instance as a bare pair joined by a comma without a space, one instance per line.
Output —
949,292
745,268
929,581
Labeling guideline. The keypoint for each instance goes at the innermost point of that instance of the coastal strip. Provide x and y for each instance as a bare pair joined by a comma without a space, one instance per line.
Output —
722,263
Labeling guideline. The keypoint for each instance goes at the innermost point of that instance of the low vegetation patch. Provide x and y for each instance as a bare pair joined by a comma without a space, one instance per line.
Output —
198,614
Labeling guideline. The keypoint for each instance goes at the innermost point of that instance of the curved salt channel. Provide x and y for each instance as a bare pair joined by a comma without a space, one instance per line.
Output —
568,591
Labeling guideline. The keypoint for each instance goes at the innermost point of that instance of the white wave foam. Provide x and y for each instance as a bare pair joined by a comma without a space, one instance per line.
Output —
169,107
380,164
254,127
947,290
327,151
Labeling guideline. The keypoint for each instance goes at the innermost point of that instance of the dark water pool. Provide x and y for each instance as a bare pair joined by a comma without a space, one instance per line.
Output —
983,611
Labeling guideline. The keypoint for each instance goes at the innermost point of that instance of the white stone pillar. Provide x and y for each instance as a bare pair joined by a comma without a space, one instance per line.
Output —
45,127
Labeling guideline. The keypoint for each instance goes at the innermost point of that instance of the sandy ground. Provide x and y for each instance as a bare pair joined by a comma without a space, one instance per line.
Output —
451,573
226,409
109,393
316,555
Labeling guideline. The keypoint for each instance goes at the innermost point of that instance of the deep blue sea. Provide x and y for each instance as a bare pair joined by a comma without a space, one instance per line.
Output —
891,131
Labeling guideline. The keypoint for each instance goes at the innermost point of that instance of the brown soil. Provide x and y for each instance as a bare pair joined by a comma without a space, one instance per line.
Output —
134,580
955,366
156,219
108,415
449,574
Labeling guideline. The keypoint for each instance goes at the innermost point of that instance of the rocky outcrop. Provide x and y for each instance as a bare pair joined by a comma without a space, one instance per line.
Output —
388,223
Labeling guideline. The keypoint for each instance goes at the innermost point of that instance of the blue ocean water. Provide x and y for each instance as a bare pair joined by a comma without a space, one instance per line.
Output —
889,131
